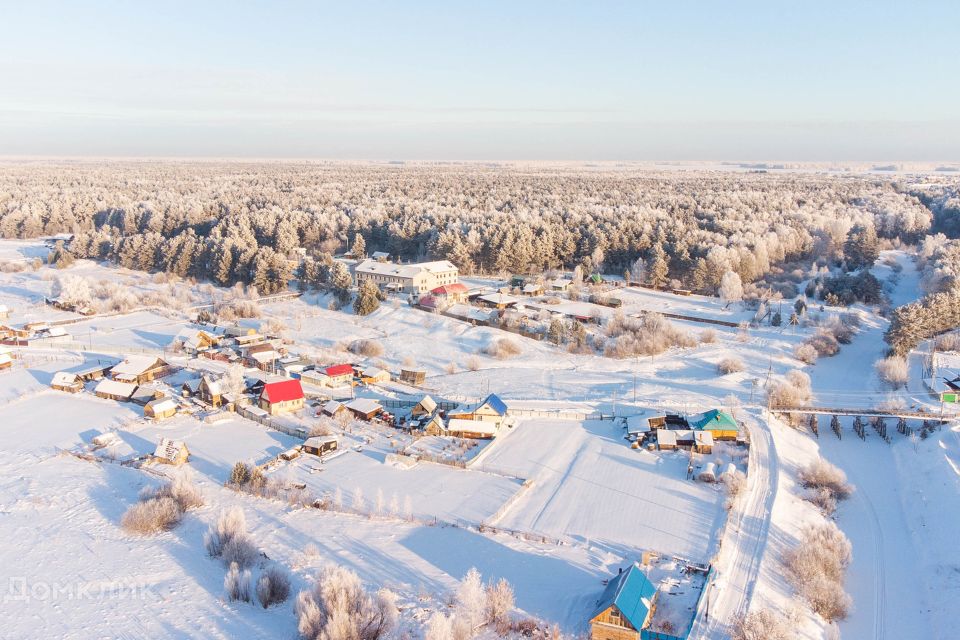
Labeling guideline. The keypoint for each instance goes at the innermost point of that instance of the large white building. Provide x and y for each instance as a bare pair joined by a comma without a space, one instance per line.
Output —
416,278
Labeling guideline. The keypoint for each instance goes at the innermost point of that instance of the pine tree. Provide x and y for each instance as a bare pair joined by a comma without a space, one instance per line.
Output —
557,333
659,269
368,298
359,248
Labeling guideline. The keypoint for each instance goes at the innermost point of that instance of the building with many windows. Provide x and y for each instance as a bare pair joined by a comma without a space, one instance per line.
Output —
415,278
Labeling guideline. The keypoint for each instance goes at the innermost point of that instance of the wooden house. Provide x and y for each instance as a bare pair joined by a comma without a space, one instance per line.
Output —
281,397
333,408
95,372
702,442
210,391
144,394
666,439
450,293
114,390
66,381
625,608
139,369
720,423
364,408
433,426
160,408
196,340
339,375
374,375
320,445
171,452
490,409
6,357
263,356
560,284
425,407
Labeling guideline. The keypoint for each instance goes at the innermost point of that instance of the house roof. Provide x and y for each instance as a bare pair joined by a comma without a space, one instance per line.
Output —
364,405
666,436
162,404
136,365
318,441
428,404
403,270
169,449
459,425
447,289
332,407
632,594
64,378
495,403
213,386
714,420
282,391
530,288
339,370
116,388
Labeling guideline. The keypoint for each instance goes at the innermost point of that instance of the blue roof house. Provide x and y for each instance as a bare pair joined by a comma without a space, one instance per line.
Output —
625,608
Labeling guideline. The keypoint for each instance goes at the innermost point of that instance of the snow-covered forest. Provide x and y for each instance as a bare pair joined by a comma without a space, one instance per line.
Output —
236,222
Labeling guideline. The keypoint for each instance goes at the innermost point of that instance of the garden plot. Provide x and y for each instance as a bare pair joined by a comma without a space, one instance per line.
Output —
51,419
591,487
138,330
214,448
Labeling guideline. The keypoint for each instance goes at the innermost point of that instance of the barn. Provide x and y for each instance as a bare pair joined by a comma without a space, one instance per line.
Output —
281,397
66,381
364,408
625,608
374,375
320,445
171,452
160,408
113,390
415,377
333,408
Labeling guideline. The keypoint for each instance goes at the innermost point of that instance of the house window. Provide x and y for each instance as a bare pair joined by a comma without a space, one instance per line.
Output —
616,618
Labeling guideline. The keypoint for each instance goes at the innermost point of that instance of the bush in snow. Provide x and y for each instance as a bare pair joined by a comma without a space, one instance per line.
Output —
893,371
805,353
229,541
368,348
821,475
763,624
708,336
822,498
729,365
152,515
499,604
734,482
273,586
240,474
791,392
338,608
183,491
817,569
502,348
824,343
949,341
472,363
236,583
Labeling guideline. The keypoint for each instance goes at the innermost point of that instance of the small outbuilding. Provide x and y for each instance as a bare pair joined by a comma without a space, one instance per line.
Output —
364,408
474,429
425,407
210,391
416,377
666,439
374,375
160,409
66,381
333,408
113,390
320,445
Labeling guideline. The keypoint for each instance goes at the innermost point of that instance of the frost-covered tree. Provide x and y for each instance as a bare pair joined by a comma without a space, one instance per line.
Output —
731,288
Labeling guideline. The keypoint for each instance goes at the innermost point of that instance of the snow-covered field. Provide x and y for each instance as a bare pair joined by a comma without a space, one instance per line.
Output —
605,501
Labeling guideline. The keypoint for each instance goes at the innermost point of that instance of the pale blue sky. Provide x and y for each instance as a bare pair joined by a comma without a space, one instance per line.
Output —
775,80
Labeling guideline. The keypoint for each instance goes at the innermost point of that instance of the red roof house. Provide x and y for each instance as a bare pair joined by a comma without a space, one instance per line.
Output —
455,292
281,397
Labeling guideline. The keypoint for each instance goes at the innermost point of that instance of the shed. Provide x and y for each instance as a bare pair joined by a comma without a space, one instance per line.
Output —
415,377
476,429
319,445
160,408
364,408
113,390
375,375
333,408
702,441
666,439
171,452
145,394
66,381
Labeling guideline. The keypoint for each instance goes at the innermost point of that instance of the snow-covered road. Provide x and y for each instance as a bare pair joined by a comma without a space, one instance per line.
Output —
745,537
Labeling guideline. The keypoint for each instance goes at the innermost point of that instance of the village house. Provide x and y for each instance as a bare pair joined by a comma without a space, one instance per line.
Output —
491,409
210,391
6,358
450,293
94,372
139,369
497,300
145,393
281,397
431,426
333,408
195,340
160,408
666,439
114,390
171,452
720,423
640,424
380,256
320,445
560,284
66,381
532,289
625,608
339,375
415,278
263,356
425,407
374,375
364,408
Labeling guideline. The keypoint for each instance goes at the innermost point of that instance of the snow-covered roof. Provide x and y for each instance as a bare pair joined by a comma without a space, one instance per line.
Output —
470,313
375,372
370,266
169,449
428,404
666,436
134,366
332,407
162,404
115,388
64,379
319,441
531,288
499,298
458,425
363,405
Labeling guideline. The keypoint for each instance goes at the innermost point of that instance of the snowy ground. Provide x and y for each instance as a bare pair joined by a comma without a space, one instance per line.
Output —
588,487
